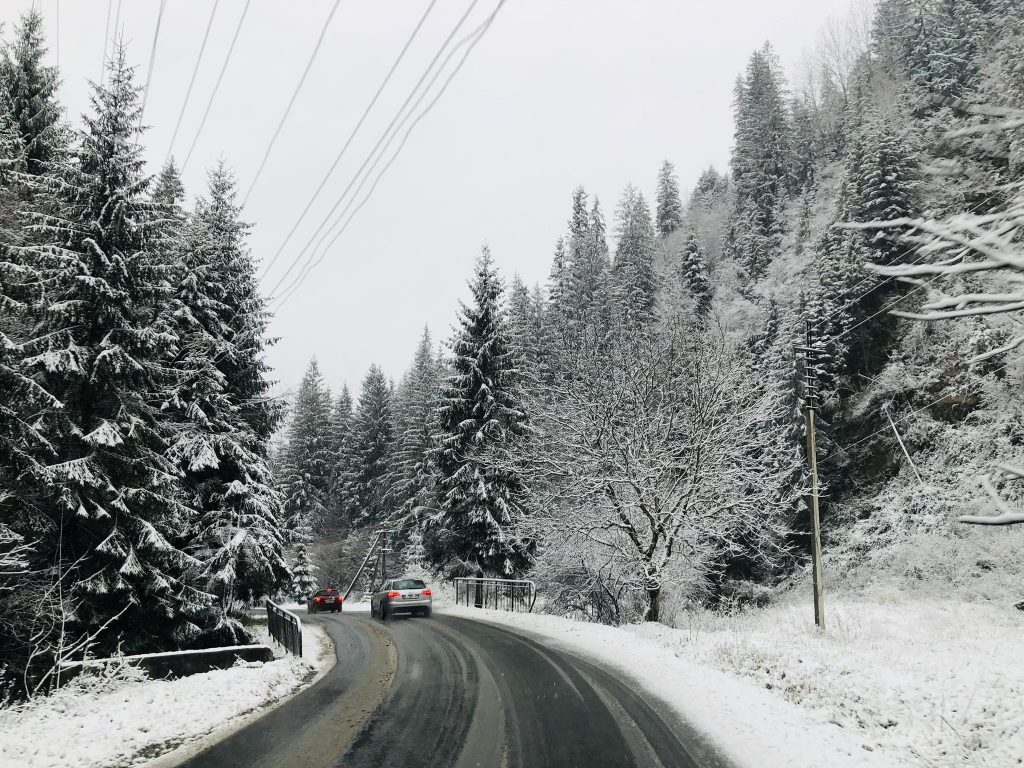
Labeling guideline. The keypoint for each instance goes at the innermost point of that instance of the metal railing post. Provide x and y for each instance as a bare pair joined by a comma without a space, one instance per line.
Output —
285,627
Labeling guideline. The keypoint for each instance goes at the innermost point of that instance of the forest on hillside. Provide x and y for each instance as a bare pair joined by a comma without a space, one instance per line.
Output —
630,434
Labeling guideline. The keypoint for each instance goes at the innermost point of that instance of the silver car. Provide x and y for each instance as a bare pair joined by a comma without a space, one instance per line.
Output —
401,596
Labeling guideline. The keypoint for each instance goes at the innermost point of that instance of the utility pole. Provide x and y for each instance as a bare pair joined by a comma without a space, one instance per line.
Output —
810,406
384,556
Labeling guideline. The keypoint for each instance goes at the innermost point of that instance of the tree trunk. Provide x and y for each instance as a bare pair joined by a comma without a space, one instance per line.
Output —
653,604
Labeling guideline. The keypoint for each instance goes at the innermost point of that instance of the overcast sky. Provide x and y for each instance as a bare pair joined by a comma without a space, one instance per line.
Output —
557,94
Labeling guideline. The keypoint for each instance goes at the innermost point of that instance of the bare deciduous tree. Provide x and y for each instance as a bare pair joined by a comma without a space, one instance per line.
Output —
657,457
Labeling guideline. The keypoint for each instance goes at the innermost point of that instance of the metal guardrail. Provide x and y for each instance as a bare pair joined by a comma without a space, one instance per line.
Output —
285,627
501,594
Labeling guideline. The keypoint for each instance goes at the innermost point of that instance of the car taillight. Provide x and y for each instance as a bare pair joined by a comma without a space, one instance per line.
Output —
392,593
337,599
316,599
425,592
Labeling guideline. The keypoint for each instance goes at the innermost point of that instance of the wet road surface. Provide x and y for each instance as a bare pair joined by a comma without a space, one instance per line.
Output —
449,692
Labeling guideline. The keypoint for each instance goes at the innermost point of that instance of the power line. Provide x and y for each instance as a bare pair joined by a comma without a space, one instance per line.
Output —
106,41
152,58
394,66
866,293
115,42
216,87
916,411
192,80
291,101
351,136
878,285
473,38
888,307
376,147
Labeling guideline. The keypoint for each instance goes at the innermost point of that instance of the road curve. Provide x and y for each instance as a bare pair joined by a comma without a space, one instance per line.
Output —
449,692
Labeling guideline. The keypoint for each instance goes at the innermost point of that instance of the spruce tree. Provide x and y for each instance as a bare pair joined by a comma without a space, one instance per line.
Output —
373,438
219,446
23,448
694,270
343,507
882,175
761,163
31,95
168,189
416,408
633,270
308,456
102,352
519,311
669,216
711,188
304,581
479,500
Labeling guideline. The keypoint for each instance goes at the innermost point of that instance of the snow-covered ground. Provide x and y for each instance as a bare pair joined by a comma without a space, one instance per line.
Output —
898,683
128,721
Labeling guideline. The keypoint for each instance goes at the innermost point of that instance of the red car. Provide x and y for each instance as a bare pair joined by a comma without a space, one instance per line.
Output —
325,600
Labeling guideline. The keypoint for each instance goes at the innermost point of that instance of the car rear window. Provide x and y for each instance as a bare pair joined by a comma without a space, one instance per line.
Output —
325,592
409,584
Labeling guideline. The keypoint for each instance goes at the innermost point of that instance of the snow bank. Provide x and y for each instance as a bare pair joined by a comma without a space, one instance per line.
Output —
918,683
129,723
934,682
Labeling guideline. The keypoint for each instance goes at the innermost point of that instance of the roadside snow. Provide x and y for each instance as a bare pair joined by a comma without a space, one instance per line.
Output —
749,726
898,683
129,722
933,682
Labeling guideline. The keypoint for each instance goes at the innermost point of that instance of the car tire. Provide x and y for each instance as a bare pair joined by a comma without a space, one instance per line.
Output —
311,610
383,612
426,613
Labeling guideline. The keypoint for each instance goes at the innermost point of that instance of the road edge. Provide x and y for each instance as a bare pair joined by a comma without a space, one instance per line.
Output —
709,752
324,663
722,712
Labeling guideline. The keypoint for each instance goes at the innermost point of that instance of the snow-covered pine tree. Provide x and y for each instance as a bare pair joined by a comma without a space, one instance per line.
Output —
580,308
710,189
373,437
669,216
219,445
761,160
479,500
415,413
308,459
694,271
343,507
169,190
30,92
539,340
883,179
633,272
304,582
101,350
23,449
519,312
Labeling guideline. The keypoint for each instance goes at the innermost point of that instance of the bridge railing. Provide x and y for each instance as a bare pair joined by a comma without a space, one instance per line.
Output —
285,627
500,594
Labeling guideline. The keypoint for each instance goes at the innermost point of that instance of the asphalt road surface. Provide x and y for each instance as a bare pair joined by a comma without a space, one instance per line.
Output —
451,692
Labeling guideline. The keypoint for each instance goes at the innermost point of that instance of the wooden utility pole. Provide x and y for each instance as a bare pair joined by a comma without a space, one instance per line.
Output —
810,406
